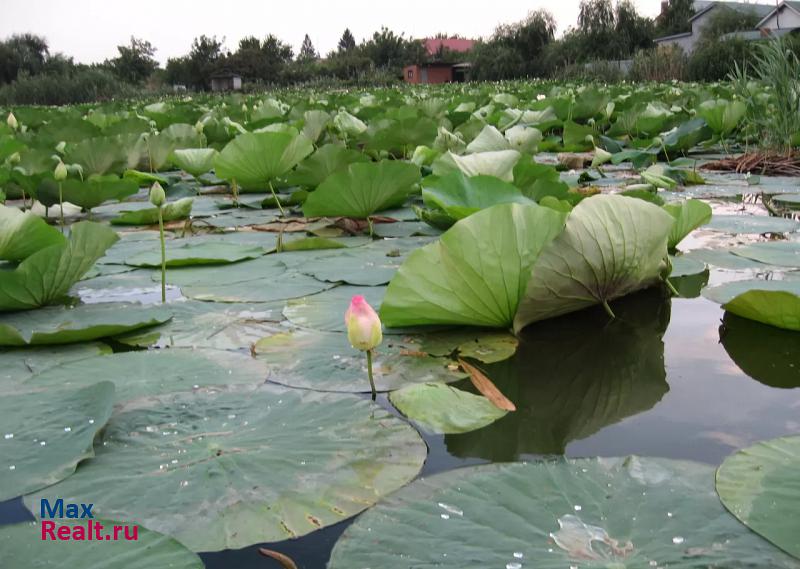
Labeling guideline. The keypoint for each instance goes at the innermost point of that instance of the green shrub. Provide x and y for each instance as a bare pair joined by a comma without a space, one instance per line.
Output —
715,60
80,86
596,71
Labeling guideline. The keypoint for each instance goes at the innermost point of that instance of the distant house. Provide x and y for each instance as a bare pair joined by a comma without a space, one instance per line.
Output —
786,16
703,12
226,81
440,72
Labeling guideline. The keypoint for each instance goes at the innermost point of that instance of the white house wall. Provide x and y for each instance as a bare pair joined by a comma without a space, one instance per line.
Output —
787,19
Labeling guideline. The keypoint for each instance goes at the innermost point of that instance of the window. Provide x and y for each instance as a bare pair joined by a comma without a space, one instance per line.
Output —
410,73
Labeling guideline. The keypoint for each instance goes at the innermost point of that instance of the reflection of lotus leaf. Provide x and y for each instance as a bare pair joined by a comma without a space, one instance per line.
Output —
226,470
590,513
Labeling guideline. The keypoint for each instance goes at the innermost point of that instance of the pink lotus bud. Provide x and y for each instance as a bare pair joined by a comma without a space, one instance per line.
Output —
363,325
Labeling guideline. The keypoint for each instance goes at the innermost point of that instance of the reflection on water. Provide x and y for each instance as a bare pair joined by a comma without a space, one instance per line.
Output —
574,375
765,353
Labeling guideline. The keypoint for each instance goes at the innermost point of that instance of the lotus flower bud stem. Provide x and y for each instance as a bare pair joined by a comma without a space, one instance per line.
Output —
60,174
364,332
157,198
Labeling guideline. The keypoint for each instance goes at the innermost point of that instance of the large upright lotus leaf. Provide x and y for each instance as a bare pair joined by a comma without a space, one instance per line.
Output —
488,140
244,467
590,513
254,159
476,273
689,215
761,487
612,246
330,363
721,115
99,155
460,196
93,191
179,209
207,253
560,399
47,433
195,161
49,273
23,233
22,544
765,353
779,253
222,326
363,189
499,164
259,280
160,147
314,124
66,325
776,303
736,224
401,135
687,136
329,159
154,372
440,408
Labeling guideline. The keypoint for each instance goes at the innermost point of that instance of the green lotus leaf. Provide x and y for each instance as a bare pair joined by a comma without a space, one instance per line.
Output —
48,274
724,258
22,234
689,215
440,408
397,363
556,514
653,119
66,325
39,453
612,246
195,161
180,209
99,155
773,302
777,253
460,196
722,116
488,140
23,542
524,139
575,136
159,148
21,363
328,160
363,189
314,124
685,266
759,485
476,273
687,136
738,224
93,191
499,164
244,467
765,353
398,136
207,253
255,159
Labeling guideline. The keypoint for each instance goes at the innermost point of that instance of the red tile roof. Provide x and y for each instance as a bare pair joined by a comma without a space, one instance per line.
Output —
453,44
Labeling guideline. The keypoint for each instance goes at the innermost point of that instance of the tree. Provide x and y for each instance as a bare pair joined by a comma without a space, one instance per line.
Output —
135,62
264,61
347,42
633,32
22,53
515,49
674,18
307,51
726,20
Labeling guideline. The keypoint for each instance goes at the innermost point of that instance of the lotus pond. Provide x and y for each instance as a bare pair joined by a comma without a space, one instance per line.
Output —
591,331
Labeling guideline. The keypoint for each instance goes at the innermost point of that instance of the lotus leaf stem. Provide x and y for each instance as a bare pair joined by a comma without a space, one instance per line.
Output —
163,256
61,205
235,189
275,197
608,309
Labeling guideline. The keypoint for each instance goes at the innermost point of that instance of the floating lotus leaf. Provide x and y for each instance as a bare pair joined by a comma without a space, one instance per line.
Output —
66,325
323,311
37,453
459,196
440,408
612,246
48,274
330,363
685,266
760,486
738,224
22,543
208,253
476,273
223,326
21,363
724,259
363,189
557,514
244,467
254,159
180,209
23,234
499,164
689,215
154,372
765,353
776,303
778,253
195,161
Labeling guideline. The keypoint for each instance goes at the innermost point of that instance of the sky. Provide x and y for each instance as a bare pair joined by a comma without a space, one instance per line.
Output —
90,30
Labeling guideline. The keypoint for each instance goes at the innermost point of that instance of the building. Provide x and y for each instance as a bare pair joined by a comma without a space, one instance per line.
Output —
703,13
226,81
440,71
786,16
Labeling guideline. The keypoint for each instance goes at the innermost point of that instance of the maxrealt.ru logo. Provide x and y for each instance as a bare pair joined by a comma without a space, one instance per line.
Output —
90,531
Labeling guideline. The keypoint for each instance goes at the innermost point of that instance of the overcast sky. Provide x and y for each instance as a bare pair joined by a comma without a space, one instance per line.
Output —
90,30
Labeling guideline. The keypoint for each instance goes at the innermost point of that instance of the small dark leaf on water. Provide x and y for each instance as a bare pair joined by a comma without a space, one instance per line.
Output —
486,387
284,560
